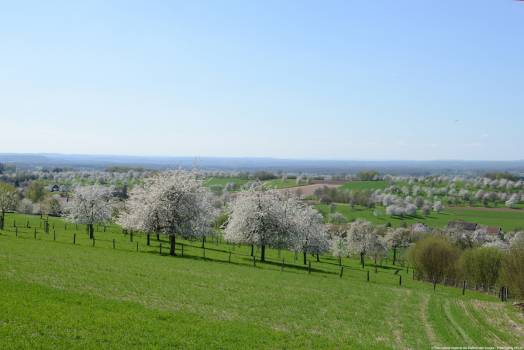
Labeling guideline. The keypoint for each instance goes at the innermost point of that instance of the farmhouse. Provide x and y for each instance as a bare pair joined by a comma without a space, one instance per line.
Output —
491,230
55,188
419,228
462,225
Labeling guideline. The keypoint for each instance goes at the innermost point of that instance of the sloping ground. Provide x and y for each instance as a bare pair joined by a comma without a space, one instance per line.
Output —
59,295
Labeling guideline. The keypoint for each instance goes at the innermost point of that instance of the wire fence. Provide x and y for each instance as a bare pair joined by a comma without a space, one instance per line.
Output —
210,248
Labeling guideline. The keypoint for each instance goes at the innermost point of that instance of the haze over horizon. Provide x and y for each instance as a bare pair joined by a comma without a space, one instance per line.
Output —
295,80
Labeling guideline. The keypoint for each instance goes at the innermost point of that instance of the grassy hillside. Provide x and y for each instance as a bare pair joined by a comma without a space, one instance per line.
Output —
507,219
59,295
364,185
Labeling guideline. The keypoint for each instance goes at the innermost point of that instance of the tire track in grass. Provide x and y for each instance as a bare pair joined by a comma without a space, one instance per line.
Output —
498,320
456,326
397,329
430,333
492,334
446,333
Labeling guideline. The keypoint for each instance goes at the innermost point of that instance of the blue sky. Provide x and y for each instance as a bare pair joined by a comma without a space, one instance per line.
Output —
347,79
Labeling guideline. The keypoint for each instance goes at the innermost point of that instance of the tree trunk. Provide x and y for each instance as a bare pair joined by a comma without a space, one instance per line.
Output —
148,239
318,258
172,241
203,242
90,230
252,250
158,237
394,255
2,218
362,259
262,253
305,255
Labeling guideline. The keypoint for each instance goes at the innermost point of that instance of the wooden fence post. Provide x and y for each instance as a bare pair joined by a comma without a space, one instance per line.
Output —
464,287
254,262
399,280
229,260
74,238
113,243
282,266
182,249
160,248
137,246
341,271
368,275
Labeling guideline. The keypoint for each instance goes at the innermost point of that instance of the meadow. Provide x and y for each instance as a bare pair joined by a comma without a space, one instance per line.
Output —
56,294
364,185
276,183
507,219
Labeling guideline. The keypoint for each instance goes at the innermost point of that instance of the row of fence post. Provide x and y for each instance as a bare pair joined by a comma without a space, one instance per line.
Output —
503,292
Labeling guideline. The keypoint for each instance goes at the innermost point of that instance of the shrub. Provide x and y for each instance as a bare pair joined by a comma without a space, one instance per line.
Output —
435,259
481,266
512,272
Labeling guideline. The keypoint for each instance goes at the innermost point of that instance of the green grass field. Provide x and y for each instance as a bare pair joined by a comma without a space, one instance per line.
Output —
364,185
56,295
280,183
508,220
276,183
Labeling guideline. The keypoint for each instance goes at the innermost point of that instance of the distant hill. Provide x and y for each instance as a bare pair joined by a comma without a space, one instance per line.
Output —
26,161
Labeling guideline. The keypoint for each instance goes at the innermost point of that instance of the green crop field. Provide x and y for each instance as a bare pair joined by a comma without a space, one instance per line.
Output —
276,183
507,219
280,183
364,185
56,294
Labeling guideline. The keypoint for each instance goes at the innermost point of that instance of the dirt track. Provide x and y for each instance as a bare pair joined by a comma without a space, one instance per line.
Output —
307,190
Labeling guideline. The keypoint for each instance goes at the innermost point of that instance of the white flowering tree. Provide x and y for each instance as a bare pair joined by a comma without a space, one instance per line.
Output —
91,205
397,238
437,206
308,232
376,247
26,206
8,201
338,246
361,235
173,203
512,201
259,217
